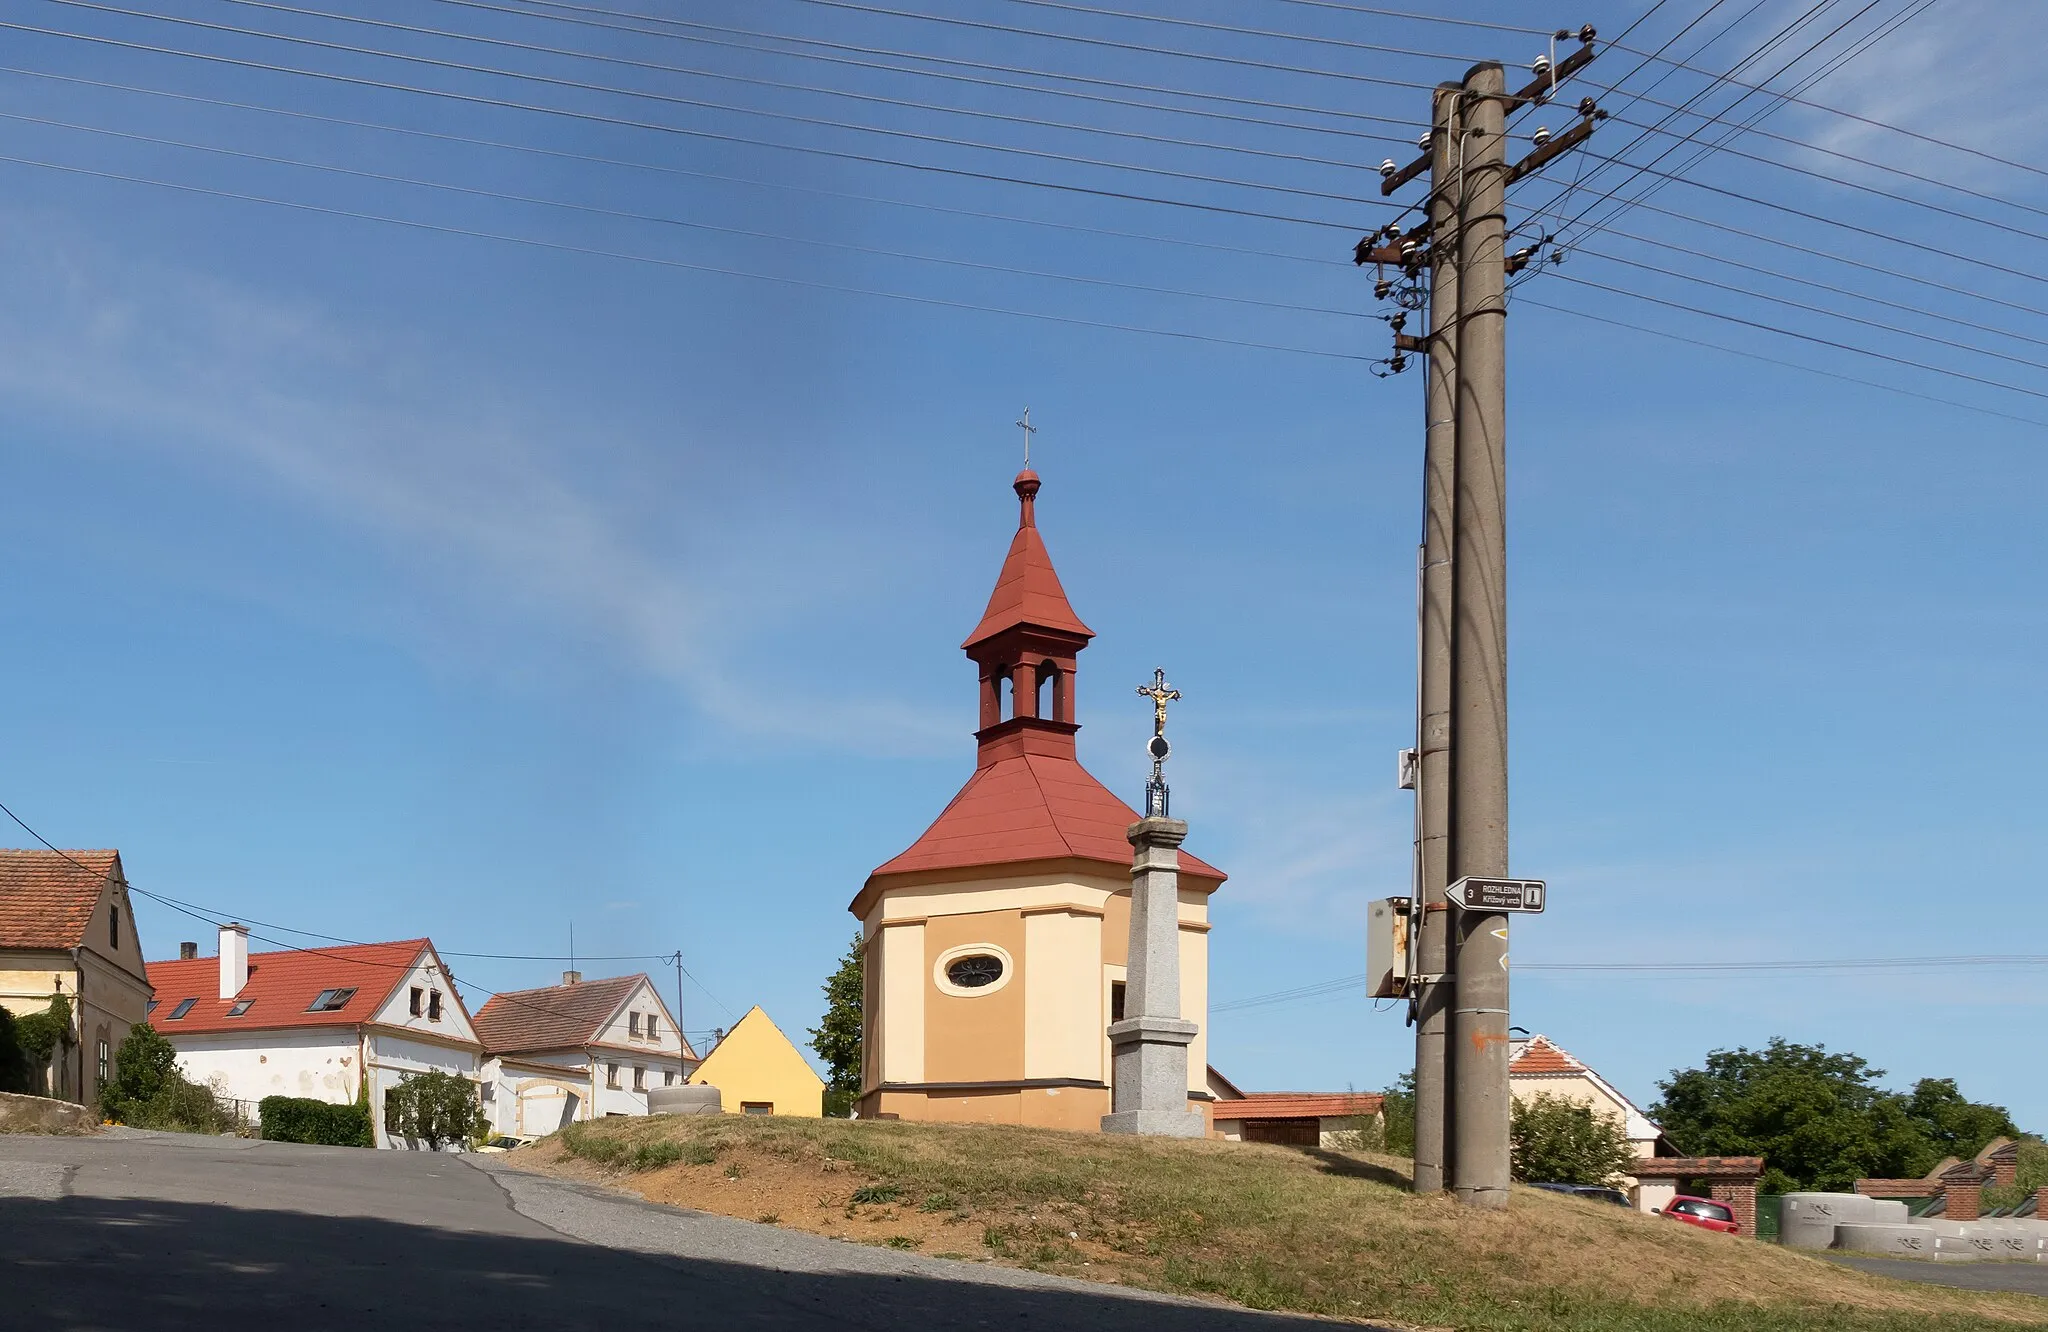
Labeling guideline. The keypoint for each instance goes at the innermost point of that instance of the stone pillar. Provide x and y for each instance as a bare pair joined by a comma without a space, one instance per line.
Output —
2041,1204
1962,1200
1149,1048
1740,1196
2005,1166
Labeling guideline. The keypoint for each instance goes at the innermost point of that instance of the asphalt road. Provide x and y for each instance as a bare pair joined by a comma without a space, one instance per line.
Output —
2025,1278
136,1232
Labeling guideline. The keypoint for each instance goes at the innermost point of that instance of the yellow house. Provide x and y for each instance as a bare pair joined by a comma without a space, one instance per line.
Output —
759,1072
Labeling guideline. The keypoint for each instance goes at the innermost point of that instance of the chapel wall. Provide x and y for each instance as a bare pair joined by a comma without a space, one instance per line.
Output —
977,1037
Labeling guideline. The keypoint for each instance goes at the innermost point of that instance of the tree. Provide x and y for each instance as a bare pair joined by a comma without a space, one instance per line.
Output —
14,1065
1819,1120
837,1037
1558,1141
1955,1126
42,1036
1397,1116
147,1089
435,1108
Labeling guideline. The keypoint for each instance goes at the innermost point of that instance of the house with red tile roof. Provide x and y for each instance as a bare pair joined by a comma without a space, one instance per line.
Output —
1539,1066
66,928
584,1049
332,1023
994,945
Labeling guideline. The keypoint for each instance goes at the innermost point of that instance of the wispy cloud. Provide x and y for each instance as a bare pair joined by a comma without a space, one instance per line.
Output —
371,431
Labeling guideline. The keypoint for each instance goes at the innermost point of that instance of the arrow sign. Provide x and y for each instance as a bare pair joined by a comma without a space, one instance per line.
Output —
1497,894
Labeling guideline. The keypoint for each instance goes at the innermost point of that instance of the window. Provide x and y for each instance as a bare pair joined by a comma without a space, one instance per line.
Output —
653,1031
417,996
330,1001
668,1077
611,1075
113,932
1116,1001
757,1107
184,1007
639,1077
633,1024
105,1054
433,1005
975,970
150,1007
239,1007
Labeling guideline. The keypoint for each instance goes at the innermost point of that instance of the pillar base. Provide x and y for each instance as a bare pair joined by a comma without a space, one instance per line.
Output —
1157,1123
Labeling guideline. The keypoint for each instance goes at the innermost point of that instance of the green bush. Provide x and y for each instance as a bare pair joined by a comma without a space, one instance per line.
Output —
435,1109
1554,1140
14,1067
27,1044
302,1119
148,1091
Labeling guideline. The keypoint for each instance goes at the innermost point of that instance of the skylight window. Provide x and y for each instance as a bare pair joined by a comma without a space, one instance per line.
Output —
329,1001
150,1007
240,1007
184,1007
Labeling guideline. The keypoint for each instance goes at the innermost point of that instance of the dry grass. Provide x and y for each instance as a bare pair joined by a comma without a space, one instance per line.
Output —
1270,1227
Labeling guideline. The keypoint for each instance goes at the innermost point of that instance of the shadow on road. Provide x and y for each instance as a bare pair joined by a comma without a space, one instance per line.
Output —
142,1266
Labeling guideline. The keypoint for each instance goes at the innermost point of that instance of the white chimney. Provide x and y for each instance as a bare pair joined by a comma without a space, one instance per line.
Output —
234,959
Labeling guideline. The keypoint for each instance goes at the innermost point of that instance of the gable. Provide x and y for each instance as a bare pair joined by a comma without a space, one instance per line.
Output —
428,977
755,1048
49,899
643,1002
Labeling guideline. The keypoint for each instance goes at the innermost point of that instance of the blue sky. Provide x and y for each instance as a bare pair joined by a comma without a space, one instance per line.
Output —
378,581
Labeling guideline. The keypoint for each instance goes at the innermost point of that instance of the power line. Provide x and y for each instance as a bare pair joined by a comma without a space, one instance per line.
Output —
1234,31
1777,361
595,252
1803,337
594,159
660,128
1882,125
530,9
1815,309
662,219
1234,61
1421,18
672,99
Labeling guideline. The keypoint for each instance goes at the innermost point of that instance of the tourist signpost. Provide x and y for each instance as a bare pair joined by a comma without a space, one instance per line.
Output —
1489,895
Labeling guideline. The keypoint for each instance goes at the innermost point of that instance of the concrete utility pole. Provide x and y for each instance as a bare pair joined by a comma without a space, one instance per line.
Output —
1479,705
1433,758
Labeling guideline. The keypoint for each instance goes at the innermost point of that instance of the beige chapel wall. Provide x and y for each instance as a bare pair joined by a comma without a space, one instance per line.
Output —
1063,994
902,989
978,1038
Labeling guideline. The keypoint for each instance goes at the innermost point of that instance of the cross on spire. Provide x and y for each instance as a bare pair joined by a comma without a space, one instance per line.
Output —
1161,694
1029,430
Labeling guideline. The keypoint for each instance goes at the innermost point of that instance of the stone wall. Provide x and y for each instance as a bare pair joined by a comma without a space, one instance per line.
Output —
35,1114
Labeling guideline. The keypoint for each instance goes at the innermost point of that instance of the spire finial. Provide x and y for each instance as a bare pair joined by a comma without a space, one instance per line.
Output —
1029,430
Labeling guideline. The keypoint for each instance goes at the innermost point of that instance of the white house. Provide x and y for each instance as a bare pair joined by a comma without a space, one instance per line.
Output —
578,1050
313,1022
1539,1066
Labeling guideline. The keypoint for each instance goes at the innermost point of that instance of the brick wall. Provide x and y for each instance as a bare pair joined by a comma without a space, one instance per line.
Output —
2005,1165
1741,1200
1898,1188
1962,1201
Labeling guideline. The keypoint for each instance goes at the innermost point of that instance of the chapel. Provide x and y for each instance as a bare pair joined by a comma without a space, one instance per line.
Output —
994,946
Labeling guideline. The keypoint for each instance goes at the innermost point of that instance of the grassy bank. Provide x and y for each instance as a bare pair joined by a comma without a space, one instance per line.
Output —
1269,1227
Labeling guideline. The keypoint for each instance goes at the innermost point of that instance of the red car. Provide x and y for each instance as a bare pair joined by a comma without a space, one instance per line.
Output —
1702,1212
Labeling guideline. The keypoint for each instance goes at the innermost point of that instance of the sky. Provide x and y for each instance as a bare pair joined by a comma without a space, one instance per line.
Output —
390,560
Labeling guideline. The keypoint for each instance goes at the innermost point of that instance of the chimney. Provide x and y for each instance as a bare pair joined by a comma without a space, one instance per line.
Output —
234,959
572,977
187,951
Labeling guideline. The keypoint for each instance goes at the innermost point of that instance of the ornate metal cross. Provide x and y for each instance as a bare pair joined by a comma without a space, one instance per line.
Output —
1161,694
1029,430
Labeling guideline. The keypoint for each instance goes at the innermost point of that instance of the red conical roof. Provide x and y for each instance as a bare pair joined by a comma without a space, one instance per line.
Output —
1027,590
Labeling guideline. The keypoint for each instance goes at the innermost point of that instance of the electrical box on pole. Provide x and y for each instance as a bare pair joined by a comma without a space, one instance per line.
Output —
1386,947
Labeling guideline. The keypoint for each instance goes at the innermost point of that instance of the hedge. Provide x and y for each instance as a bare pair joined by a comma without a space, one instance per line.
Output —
300,1119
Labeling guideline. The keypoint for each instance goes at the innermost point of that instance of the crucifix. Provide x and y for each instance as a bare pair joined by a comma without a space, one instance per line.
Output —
1029,430
1161,694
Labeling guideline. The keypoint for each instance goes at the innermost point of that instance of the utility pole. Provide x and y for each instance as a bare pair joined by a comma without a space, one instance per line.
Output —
1458,978
1479,704
1433,740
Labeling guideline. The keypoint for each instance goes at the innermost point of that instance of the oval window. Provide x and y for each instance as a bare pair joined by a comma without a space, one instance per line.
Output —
975,970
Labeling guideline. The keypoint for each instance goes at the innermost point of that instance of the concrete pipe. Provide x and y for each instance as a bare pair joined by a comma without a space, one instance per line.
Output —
1893,1240
689,1099
1808,1220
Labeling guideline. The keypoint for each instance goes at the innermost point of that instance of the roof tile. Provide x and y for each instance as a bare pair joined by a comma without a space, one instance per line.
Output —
553,1017
283,984
47,900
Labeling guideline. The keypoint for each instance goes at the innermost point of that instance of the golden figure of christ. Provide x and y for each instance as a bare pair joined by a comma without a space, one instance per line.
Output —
1161,693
